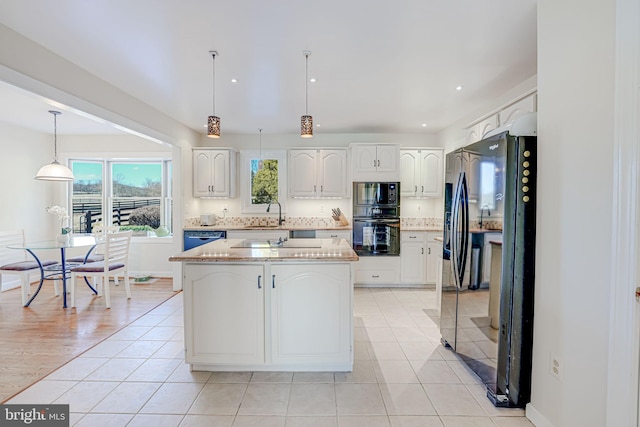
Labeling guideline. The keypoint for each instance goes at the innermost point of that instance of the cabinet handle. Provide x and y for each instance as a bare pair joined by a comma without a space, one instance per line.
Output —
374,163
413,237
375,276
259,285
314,188
415,188
333,235
422,251
423,188
321,188
378,163
273,281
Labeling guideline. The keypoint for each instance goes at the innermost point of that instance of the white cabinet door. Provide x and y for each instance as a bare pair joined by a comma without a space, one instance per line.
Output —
365,158
434,252
377,270
213,173
387,158
431,166
332,173
331,234
413,258
512,112
421,172
311,316
375,162
224,314
409,172
302,173
318,173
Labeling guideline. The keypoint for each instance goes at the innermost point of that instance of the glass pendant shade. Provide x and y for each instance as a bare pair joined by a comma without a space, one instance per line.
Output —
55,171
306,126
213,127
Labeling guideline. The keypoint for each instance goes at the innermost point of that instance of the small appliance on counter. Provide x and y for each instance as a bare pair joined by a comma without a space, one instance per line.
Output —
207,219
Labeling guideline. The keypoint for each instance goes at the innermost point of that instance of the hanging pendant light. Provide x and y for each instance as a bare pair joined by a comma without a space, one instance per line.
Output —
213,123
54,171
260,162
306,121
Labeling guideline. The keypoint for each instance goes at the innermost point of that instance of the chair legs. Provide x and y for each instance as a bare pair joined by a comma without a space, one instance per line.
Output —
102,282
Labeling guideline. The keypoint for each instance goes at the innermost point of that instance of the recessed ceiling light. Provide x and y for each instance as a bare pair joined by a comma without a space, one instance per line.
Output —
458,88
234,80
424,125
317,125
312,80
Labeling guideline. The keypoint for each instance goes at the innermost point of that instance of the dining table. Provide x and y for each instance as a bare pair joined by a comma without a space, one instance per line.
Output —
61,270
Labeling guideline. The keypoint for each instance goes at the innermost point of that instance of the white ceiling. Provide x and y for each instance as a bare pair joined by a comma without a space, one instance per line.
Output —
381,66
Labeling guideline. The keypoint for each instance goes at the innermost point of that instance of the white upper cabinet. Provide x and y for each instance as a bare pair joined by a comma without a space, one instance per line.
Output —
214,173
512,112
421,172
375,162
318,173
479,130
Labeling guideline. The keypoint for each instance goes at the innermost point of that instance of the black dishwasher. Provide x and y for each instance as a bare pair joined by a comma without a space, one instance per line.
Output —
195,238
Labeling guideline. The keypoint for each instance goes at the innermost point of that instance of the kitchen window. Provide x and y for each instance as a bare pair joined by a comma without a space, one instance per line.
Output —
134,194
263,179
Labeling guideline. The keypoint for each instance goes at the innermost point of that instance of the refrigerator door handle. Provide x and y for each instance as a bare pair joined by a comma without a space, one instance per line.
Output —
455,217
464,205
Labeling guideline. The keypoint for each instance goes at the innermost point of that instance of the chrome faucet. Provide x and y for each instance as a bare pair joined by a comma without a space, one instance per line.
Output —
482,209
280,220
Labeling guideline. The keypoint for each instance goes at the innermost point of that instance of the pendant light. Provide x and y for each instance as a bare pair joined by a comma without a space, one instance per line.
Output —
260,163
54,171
306,121
213,123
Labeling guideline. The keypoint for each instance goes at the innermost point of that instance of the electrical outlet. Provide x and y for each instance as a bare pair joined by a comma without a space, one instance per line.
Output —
556,367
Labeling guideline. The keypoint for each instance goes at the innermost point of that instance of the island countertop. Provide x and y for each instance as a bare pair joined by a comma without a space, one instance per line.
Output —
249,250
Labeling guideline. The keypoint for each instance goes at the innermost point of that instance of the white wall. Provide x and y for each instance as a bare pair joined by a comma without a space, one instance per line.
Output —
575,176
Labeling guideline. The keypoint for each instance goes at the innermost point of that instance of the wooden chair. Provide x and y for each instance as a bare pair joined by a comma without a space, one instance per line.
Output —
15,262
116,261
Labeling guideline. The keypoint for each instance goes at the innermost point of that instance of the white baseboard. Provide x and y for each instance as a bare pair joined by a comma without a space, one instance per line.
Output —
536,417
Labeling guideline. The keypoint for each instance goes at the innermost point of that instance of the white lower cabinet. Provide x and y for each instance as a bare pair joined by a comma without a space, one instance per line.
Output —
413,258
310,314
434,251
269,316
224,314
377,270
331,234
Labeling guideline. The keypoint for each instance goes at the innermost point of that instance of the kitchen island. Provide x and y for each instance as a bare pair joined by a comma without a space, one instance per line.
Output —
252,305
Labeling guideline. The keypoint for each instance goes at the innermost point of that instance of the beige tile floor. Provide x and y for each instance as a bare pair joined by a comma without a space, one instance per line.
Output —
402,377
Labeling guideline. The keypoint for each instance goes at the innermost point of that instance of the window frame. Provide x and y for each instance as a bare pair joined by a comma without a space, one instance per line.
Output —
107,197
245,179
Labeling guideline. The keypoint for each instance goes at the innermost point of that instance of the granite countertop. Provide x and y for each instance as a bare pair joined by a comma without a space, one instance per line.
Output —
249,250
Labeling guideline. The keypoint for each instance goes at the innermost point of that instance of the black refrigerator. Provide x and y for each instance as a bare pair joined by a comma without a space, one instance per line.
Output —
490,187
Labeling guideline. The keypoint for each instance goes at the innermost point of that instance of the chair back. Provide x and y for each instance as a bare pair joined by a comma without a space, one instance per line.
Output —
8,238
116,247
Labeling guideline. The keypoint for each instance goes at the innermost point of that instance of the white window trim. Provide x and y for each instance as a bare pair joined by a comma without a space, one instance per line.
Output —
245,179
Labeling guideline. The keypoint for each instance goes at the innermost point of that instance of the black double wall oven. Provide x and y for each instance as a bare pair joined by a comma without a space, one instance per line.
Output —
376,218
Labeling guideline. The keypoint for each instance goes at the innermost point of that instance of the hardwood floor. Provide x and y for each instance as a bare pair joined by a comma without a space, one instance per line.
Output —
40,338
